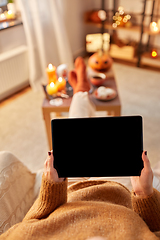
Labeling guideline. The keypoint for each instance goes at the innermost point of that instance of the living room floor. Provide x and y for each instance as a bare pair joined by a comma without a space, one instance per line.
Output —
22,129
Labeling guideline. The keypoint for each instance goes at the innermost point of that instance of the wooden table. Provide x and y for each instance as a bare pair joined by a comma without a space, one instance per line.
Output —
112,107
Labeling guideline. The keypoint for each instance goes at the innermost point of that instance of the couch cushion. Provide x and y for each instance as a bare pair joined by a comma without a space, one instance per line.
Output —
16,190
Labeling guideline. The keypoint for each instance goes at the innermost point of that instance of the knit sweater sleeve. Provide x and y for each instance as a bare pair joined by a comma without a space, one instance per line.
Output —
51,196
148,209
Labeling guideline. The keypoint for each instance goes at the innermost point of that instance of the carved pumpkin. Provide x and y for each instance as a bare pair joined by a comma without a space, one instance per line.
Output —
100,62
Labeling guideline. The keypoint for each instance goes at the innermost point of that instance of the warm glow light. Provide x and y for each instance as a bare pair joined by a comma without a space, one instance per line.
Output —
121,10
50,66
51,88
102,15
154,24
10,15
2,16
114,25
154,54
51,73
121,19
61,84
154,27
9,12
52,84
60,79
128,16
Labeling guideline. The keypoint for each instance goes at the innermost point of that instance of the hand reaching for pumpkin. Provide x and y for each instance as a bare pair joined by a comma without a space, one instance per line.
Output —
78,77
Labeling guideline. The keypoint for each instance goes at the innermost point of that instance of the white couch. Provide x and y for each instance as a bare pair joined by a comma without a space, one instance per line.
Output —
19,188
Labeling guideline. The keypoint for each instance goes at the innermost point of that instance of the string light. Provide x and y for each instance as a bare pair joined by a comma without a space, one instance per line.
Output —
154,27
121,10
120,18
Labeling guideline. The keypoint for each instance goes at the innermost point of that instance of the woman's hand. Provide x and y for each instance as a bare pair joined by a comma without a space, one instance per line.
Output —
143,185
49,171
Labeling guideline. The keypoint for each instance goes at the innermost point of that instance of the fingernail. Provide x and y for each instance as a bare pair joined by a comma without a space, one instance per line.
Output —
49,153
145,153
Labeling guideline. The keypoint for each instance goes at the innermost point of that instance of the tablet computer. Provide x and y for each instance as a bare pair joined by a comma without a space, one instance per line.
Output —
98,146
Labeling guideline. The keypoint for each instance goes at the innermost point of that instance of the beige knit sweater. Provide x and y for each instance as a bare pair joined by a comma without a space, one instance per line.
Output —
93,208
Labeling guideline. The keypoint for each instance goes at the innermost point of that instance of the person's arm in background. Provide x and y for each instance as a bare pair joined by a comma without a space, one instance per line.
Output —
80,105
146,199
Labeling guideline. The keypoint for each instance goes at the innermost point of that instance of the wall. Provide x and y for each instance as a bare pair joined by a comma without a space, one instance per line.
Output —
76,28
11,38
74,18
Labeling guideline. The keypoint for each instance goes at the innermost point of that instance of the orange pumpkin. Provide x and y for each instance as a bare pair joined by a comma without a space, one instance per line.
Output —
100,62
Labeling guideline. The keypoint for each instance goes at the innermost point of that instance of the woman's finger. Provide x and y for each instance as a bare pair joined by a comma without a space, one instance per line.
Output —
146,162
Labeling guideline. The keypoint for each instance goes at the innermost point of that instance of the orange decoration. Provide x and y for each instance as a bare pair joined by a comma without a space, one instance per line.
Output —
61,84
51,72
100,62
52,88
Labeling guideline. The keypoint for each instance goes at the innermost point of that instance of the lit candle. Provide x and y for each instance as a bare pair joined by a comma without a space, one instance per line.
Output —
154,54
10,15
154,27
2,17
52,88
61,84
51,72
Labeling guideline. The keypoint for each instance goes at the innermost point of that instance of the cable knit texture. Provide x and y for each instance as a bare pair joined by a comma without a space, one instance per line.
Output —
93,208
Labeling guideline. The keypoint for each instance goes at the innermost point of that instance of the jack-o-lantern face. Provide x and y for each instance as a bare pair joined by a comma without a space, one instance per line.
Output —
100,62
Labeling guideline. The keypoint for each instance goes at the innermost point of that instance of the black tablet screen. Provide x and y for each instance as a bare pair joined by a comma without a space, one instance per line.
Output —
97,147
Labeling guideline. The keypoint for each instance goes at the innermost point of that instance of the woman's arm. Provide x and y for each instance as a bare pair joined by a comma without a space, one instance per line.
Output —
148,208
53,192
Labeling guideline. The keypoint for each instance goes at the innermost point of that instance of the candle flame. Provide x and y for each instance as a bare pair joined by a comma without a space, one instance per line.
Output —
154,54
3,16
9,12
50,66
60,79
52,84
